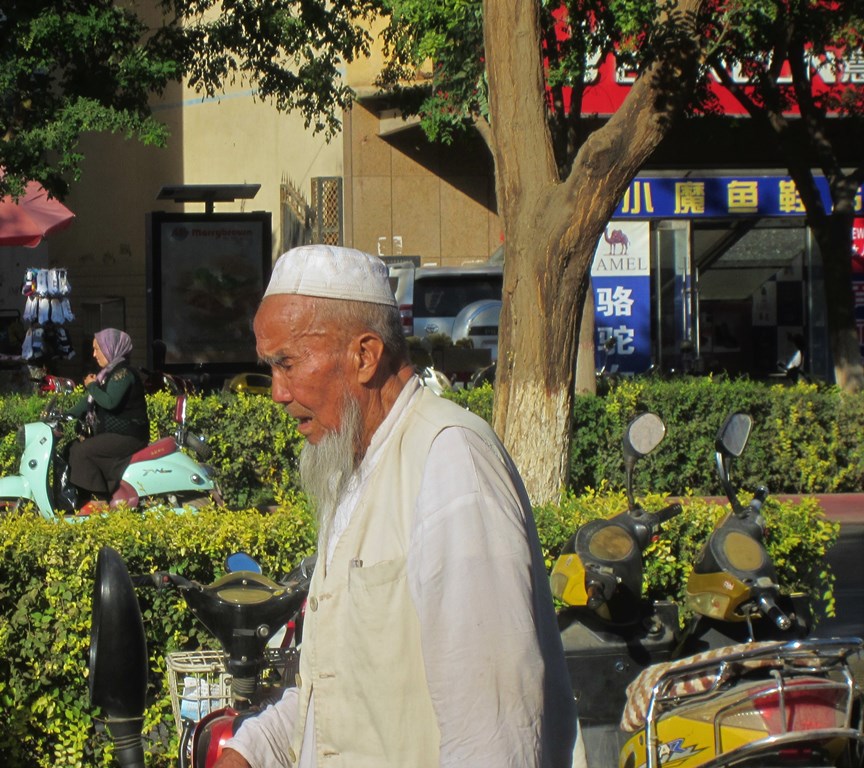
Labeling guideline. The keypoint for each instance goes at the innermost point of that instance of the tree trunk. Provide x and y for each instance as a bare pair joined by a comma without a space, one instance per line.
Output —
551,227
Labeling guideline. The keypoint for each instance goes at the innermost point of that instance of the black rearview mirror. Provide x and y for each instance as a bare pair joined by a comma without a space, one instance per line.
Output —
730,443
733,435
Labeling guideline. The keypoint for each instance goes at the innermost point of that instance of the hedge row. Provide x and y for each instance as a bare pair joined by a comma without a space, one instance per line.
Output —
806,438
46,580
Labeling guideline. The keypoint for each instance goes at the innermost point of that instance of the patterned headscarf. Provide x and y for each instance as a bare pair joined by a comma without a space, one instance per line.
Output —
116,346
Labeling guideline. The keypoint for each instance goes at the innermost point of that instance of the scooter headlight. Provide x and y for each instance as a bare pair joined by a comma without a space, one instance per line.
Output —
21,438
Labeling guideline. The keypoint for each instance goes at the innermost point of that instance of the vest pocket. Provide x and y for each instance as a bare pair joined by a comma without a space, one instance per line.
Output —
365,577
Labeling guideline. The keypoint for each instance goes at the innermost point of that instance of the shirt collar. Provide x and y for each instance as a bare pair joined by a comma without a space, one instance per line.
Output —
391,421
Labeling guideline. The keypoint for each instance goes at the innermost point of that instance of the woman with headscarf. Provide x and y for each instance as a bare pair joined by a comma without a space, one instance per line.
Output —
115,412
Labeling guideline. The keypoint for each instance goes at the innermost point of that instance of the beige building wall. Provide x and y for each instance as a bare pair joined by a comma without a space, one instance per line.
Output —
406,196
235,139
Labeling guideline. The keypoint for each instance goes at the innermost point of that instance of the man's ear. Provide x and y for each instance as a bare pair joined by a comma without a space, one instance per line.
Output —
368,351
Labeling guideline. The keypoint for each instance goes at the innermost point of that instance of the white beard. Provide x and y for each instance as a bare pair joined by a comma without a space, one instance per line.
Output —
326,468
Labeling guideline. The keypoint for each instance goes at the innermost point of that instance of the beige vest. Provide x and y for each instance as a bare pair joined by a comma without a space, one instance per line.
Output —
361,637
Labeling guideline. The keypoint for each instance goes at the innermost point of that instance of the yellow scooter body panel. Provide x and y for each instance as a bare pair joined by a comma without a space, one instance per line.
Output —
717,595
684,743
568,580
689,737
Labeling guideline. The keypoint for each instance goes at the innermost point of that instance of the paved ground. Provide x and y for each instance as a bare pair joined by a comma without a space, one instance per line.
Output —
847,562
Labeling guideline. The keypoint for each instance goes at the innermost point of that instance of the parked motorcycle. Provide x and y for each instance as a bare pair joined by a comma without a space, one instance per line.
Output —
436,381
162,470
732,589
609,632
767,699
55,385
739,686
243,610
161,381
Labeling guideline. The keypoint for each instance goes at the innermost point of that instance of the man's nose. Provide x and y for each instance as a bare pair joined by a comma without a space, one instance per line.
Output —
280,392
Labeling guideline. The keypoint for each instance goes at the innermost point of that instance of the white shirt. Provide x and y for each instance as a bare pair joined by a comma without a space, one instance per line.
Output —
467,515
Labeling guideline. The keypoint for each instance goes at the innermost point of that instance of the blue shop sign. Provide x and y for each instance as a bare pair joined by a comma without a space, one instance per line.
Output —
718,197
622,317
620,275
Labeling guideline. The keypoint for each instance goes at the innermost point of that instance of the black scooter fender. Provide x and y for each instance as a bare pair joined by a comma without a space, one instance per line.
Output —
118,657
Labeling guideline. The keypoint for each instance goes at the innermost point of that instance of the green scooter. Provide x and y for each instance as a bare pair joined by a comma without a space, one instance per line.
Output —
162,471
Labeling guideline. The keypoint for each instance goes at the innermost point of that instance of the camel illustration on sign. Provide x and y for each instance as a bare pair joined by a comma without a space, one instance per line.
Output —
615,238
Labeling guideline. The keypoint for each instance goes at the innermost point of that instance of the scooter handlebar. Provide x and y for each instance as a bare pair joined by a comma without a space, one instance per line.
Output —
758,499
770,610
161,580
667,513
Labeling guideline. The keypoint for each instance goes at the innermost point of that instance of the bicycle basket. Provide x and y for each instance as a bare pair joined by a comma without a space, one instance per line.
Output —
199,683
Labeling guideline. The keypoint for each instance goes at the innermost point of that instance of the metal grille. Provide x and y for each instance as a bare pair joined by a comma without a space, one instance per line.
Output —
327,207
296,217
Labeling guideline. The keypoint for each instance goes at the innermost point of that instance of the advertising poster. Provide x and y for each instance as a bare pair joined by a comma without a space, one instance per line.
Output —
620,274
858,277
207,278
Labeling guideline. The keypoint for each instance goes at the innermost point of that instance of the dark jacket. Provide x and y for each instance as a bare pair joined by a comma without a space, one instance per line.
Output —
119,404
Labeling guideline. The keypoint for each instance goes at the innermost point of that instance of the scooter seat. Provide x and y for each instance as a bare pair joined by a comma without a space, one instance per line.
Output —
703,677
155,450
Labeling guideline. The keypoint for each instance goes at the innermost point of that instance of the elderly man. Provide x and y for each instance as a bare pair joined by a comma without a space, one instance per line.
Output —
430,637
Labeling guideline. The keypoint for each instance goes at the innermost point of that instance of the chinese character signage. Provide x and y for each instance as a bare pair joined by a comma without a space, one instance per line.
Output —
717,197
608,81
620,275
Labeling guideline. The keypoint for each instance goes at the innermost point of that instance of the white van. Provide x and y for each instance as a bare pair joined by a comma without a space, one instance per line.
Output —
431,298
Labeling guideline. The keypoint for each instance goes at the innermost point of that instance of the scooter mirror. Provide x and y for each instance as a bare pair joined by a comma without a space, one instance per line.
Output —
180,410
733,435
240,561
50,410
730,443
118,657
643,434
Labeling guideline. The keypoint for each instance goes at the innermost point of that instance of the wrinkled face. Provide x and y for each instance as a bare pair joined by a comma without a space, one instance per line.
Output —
101,360
309,361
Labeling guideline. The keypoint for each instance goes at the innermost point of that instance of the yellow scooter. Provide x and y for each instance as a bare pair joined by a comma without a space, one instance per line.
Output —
747,690
609,632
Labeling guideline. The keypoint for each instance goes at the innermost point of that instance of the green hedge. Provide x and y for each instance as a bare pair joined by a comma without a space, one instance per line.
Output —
255,443
46,579
807,438
46,573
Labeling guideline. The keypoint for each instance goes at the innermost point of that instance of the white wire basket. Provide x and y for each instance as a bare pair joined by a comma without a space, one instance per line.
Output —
199,683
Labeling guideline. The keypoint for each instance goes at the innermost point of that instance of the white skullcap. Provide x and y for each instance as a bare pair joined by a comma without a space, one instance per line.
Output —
331,272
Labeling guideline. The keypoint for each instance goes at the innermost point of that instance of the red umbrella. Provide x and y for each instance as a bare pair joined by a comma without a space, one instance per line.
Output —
34,215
